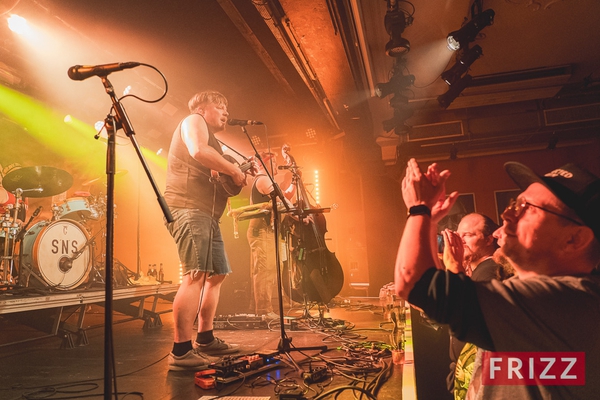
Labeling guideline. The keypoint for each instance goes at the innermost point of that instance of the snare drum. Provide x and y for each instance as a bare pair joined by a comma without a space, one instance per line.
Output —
49,248
77,209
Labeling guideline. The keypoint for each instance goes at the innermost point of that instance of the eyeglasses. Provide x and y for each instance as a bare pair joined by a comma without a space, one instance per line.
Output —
518,207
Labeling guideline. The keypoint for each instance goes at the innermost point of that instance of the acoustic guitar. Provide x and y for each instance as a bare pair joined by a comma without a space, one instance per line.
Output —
226,185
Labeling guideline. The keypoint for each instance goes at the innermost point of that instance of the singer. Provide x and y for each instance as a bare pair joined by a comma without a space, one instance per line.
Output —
197,205
263,265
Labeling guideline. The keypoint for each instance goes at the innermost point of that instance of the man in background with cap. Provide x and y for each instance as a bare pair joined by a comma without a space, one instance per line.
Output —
550,235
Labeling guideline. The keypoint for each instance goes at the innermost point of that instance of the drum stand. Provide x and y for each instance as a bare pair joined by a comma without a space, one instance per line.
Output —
11,230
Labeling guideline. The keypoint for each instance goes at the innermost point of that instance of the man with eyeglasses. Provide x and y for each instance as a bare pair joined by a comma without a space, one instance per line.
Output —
550,235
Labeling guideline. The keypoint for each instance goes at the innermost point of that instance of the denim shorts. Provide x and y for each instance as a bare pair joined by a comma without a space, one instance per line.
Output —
199,242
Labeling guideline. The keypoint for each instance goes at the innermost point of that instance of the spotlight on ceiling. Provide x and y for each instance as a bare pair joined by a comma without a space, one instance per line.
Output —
468,32
395,22
452,93
397,121
463,63
397,83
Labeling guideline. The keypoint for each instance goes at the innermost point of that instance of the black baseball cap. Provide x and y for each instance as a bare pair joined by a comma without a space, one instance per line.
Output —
578,188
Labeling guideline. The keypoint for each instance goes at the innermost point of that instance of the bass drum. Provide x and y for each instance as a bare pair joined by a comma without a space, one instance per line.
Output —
48,248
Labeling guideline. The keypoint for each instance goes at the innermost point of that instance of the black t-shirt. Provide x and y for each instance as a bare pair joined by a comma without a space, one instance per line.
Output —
543,313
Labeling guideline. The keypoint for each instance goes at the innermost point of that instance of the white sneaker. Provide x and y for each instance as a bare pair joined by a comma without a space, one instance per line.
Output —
193,360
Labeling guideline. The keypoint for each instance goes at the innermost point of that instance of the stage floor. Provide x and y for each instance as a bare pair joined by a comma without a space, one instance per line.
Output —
353,330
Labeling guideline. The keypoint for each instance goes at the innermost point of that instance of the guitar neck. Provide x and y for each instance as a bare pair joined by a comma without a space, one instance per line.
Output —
245,166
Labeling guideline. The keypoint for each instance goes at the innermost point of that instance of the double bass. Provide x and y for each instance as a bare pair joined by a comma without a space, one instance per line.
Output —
314,274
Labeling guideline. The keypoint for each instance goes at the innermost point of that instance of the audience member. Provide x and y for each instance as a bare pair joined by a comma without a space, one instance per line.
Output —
469,250
550,235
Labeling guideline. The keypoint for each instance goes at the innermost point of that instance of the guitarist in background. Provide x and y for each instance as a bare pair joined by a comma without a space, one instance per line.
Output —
263,263
197,204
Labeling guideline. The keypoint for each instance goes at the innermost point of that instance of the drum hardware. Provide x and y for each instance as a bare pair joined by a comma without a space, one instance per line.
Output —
122,276
11,227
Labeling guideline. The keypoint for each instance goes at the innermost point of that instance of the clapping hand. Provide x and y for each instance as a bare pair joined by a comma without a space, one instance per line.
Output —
453,251
428,189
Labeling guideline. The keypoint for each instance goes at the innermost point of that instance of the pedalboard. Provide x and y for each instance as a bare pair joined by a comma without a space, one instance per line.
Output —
240,321
231,369
250,322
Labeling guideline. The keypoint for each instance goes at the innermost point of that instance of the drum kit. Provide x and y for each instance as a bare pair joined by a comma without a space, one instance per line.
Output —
57,252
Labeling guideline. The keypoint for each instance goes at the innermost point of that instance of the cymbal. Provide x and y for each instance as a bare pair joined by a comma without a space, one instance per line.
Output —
103,178
40,181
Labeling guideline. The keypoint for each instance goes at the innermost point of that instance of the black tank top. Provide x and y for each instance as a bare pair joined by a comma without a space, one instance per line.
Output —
187,182
257,197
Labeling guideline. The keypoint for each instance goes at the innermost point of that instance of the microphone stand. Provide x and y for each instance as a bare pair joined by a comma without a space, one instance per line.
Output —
112,123
284,346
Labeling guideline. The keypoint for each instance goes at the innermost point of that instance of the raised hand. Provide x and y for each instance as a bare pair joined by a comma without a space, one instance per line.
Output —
427,189
453,251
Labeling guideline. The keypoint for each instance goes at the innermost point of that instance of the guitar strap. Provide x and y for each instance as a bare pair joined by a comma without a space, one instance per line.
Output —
232,149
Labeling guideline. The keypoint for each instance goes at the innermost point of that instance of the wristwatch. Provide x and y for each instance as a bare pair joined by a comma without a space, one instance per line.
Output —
421,209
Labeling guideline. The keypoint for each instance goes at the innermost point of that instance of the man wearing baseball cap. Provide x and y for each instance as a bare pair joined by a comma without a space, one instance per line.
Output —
551,236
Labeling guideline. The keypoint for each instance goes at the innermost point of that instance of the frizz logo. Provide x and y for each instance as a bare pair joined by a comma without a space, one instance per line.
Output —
534,368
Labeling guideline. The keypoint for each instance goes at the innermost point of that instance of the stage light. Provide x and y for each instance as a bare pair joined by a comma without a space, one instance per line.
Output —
18,24
452,93
398,83
463,63
467,33
395,22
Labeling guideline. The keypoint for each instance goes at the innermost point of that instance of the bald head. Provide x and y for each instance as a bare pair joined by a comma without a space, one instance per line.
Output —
476,231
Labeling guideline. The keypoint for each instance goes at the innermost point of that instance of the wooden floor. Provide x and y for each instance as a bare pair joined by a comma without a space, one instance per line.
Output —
353,330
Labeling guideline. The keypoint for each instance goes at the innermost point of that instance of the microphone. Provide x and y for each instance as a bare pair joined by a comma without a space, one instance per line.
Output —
81,72
287,167
243,122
